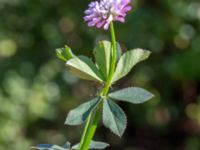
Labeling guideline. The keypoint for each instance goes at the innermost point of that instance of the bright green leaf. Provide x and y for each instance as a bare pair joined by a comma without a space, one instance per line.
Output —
84,68
102,53
64,53
114,118
94,145
127,61
133,95
80,114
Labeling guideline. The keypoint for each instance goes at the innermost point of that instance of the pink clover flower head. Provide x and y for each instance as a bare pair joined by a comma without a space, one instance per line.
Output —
102,12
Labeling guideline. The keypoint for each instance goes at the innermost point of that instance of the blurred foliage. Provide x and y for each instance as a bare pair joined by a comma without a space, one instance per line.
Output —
36,91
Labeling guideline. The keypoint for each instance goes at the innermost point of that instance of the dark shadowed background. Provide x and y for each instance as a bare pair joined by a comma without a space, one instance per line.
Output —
36,90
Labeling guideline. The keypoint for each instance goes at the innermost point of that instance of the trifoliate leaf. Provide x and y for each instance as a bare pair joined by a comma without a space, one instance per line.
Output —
94,145
80,114
64,53
102,53
114,118
133,95
84,68
127,61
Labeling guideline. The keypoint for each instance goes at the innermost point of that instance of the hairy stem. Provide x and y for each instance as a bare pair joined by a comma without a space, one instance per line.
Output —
93,119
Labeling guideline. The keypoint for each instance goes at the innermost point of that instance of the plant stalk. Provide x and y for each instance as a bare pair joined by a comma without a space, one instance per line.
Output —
113,60
94,117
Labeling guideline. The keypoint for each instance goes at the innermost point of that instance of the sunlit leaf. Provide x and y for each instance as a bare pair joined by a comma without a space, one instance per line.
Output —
80,114
102,53
84,68
114,118
133,95
127,61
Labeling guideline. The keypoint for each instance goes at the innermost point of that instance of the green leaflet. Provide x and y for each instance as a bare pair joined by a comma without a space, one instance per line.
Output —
84,68
64,53
102,53
133,95
49,147
94,145
114,118
127,61
80,114
67,145
119,51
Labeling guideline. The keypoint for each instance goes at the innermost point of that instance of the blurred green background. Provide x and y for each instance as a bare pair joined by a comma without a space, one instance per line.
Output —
36,90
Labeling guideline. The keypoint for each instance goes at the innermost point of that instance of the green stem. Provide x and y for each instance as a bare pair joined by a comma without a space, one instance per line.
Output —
85,131
113,60
93,119
114,51
89,130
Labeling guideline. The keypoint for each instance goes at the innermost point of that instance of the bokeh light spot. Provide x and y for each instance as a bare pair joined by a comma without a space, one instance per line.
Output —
8,48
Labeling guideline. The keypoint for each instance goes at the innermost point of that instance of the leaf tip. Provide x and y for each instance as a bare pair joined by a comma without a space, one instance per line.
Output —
151,95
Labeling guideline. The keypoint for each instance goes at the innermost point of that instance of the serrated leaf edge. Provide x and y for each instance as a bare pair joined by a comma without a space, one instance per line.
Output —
126,122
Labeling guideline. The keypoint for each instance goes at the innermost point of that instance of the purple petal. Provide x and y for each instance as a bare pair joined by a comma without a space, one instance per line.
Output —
101,12
121,19
100,24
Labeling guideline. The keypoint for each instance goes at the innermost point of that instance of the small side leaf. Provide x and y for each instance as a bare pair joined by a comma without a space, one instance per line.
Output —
49,147
94,145
42,146
56,147
114,118
98,145
127,61
64,53
67,145
80,114
133,95
102,53
84,68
